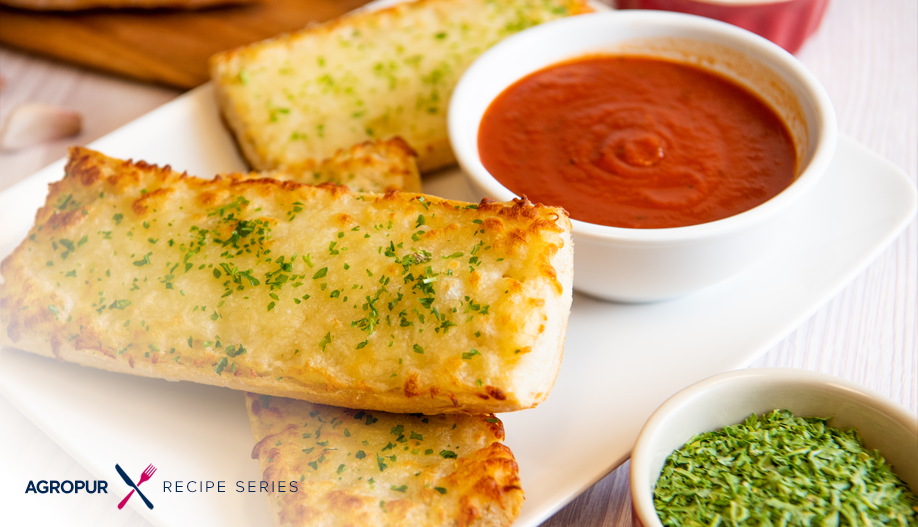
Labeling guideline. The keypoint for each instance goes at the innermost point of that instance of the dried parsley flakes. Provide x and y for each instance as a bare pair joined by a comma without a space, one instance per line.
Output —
781,470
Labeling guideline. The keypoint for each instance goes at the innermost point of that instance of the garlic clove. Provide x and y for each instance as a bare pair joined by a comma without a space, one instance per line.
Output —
30,124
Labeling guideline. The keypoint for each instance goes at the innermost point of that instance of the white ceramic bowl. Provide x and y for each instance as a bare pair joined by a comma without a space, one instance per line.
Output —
640,265
729,398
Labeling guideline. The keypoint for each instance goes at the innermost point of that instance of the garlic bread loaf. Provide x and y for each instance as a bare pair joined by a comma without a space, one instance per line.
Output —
398,302
334,466
367,75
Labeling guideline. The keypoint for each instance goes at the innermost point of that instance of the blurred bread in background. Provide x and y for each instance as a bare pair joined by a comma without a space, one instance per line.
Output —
76,5
367,75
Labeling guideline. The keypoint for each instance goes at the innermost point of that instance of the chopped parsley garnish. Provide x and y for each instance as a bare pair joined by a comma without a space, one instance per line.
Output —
265,400
781,470
325,341
234,351
120,304
470,354
144,261
68,244
221,365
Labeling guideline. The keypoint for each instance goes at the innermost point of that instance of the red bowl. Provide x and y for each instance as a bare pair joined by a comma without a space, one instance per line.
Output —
787,23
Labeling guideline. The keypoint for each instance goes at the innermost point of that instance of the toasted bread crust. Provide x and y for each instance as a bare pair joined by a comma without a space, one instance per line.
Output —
398,302
351,467
365,75
371,166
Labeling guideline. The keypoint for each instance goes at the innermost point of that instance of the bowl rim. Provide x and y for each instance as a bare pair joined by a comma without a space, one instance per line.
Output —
826,128
640,480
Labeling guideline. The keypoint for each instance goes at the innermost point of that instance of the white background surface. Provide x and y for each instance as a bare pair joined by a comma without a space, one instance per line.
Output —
866,55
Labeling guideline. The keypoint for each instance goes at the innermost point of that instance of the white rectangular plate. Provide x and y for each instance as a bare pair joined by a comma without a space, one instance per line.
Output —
621,361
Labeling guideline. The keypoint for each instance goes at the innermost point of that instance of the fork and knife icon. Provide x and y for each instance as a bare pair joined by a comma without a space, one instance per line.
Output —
147,474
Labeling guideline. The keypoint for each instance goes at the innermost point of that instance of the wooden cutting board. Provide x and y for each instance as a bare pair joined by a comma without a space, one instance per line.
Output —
162,46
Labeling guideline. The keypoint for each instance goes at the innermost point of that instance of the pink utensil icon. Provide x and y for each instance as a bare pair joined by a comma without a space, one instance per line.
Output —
147,474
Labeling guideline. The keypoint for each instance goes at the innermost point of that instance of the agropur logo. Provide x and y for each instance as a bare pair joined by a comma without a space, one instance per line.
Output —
94,487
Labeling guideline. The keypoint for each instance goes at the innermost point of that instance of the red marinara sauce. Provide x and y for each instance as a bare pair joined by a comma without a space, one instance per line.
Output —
637,142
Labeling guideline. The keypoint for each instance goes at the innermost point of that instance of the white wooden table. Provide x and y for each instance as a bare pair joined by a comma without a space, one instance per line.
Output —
865,54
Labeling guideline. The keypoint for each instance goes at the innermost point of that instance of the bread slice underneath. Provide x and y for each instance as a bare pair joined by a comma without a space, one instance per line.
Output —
398,302
334,466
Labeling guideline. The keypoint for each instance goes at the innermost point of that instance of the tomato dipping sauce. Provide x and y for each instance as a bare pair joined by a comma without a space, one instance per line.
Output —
637,142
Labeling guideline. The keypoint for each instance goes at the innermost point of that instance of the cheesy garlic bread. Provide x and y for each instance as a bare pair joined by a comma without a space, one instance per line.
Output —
350,467
398,302
370,74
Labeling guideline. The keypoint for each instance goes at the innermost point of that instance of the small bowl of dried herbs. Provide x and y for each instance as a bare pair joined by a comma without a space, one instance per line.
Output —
779,447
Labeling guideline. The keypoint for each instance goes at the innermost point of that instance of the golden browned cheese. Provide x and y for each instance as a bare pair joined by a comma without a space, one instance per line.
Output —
76,5
366,75
349,467
398,302
372,166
